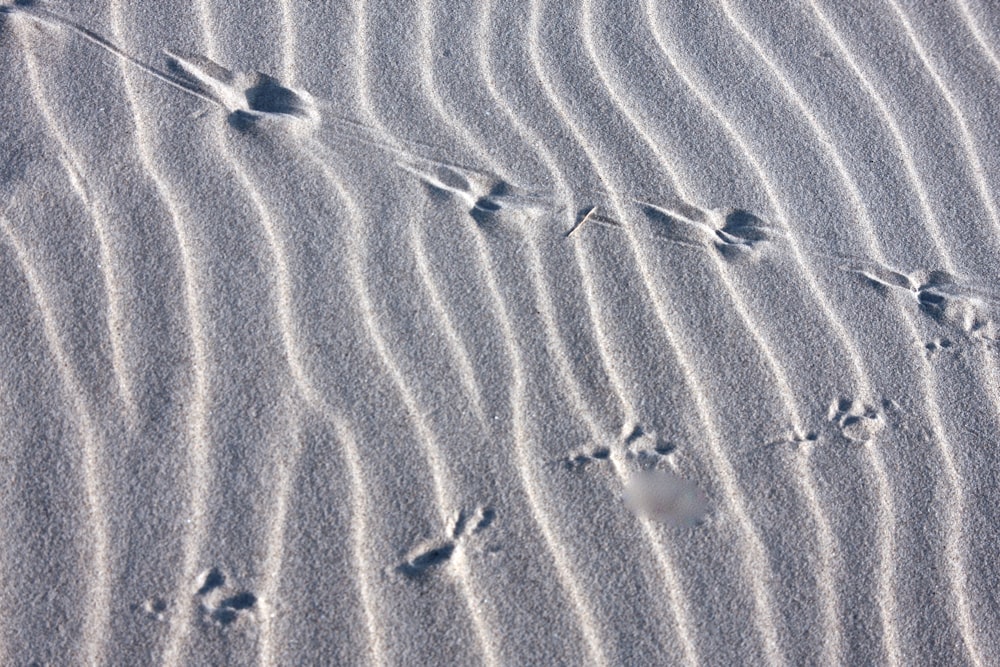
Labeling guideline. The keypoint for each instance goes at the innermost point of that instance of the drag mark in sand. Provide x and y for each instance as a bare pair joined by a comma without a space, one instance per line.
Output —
40,15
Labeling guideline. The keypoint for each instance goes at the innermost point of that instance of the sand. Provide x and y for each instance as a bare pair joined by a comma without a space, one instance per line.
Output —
505,332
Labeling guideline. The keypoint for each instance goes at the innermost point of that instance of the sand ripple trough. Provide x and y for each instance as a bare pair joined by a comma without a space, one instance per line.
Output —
439,290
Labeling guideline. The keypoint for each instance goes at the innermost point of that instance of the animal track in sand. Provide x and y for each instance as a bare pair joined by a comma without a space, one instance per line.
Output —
734,232
934,347
154,608
798,440
855,421
211,580
432,555
479,521
591,214
221,604
968,308
644,471
248,96
583,459
490,200
639,450
646,450
848,419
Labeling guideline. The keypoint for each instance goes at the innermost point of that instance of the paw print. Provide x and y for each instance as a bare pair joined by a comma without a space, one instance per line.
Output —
221,604
856,422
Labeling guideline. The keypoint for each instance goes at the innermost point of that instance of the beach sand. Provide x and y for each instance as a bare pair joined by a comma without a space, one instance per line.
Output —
501,332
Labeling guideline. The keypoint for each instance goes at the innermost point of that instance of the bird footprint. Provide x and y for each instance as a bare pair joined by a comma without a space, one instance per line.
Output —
432,555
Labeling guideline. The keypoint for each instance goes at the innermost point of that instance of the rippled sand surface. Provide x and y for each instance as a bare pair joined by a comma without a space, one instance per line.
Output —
493,332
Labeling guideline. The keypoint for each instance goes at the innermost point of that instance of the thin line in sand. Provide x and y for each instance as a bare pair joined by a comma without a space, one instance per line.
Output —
96,625
584,219
198,439
43,16
755,561
117,323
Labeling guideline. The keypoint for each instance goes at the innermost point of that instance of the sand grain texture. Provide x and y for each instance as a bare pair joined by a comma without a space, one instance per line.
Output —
499,332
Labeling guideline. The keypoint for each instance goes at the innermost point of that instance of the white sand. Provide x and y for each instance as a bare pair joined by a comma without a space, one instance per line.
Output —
505,333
